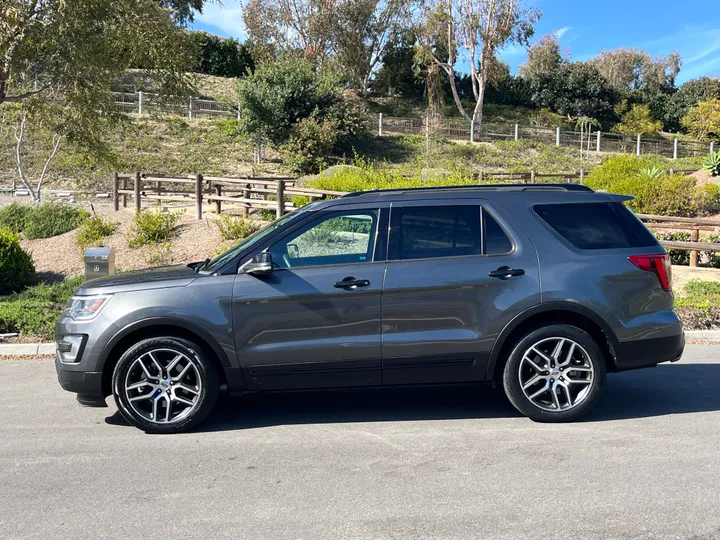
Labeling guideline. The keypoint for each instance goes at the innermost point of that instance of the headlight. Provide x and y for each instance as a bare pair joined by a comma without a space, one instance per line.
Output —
84,308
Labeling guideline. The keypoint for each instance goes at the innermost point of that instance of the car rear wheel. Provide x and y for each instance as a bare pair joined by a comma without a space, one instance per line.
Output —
554,373
165,385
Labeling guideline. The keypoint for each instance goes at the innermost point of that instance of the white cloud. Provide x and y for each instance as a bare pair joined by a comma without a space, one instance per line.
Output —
564,30
226,17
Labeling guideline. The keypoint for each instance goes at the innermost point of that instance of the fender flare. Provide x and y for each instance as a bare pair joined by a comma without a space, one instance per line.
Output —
545,308
163,321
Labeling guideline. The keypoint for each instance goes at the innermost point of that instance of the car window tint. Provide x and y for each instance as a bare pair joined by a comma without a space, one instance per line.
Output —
596,225
338,238
496,241
435,231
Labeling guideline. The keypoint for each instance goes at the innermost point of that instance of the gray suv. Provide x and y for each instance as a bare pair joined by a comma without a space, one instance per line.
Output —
541,288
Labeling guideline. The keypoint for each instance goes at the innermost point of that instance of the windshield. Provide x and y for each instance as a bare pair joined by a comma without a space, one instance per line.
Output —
221,260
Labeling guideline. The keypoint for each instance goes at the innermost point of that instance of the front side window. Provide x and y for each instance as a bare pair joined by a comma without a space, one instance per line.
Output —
336,238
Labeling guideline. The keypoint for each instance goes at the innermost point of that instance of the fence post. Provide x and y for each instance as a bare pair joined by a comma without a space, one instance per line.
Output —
280,198
599,136
124,195
675,148
582,175
472,130
557,137
517,132
198,196
380,124
639,144
141,101
246,207
694,237
191,112
712,146
427,134
138,203
115,198
218,203
532,175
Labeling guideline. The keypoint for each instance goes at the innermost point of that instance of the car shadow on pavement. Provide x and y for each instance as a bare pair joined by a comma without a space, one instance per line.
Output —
664,390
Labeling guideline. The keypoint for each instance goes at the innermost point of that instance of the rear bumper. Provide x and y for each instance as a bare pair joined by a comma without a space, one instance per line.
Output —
643,353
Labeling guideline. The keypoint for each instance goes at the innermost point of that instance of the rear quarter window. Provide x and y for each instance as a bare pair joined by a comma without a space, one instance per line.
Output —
596,225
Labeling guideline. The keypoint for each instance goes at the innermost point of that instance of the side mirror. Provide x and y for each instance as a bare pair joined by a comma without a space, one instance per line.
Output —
260,264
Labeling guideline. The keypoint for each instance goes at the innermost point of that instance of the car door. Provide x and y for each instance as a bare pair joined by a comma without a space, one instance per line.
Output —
314,322
456,273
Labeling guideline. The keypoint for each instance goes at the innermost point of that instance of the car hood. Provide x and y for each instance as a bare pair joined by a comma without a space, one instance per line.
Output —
154,278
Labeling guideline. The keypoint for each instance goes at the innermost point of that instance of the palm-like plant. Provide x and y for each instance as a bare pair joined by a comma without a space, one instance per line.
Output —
712,163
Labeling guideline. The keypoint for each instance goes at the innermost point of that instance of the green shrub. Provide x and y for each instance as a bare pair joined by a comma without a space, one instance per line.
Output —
678,257
711,163
36,310
50,219
13,216
16,267
267,214
152,228
92,232
235,228
159,254
311,141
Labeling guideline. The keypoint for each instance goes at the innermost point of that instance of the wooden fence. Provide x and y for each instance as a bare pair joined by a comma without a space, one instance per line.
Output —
245,192
694,225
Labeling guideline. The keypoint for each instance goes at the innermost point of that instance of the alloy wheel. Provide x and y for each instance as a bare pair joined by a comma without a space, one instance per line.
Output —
163,386
556,374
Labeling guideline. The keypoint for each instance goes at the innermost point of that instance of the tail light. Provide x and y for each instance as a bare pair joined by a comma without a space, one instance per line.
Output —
658,265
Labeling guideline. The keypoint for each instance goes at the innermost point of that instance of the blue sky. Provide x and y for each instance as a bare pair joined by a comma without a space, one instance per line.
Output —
586,27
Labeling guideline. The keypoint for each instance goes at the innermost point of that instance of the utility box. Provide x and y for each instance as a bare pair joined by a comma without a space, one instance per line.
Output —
99,262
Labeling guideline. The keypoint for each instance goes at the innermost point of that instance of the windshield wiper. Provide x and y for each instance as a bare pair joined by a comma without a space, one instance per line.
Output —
199,265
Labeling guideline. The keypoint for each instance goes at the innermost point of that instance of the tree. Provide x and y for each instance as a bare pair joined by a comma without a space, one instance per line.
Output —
303,27
481,27
578,89
182,10
544,58
632,69
703,120
688,95
363,32
399,72
219,56
636,120
58,59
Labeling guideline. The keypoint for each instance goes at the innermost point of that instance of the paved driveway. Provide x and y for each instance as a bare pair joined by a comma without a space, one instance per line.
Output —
413,463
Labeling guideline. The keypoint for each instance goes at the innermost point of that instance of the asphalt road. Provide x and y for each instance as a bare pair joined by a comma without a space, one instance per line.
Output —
411,464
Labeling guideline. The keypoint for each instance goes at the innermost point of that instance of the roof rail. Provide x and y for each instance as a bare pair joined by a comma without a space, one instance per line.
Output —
479,187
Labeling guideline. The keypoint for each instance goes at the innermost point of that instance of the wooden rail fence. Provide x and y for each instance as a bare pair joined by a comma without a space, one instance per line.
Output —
245,192
694,225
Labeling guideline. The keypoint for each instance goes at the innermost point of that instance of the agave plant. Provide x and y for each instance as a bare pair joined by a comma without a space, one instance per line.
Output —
651,173
712,163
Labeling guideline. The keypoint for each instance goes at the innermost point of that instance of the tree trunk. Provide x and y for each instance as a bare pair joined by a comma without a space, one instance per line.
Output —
451,78
478,112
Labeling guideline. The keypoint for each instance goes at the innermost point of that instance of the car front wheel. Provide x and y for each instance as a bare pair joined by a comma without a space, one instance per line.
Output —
554,373
165,385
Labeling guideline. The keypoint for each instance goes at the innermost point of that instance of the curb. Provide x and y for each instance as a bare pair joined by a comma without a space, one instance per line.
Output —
27,349
34,349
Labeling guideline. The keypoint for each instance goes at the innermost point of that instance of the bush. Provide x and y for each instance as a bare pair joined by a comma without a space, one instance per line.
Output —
36,310
678,257
13,216
310,142
16,267
92,232
675,195
711,163
703,120
699,305
152,228
234,227
51,219
159,254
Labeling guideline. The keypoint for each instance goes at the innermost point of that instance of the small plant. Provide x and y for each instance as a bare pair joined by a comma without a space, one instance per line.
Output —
16,267
159,254
92,232
711,163
267,214
13,216
51,219
234,227
152,228
651,173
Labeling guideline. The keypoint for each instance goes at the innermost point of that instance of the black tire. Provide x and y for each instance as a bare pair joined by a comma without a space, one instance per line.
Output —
205,370
511,374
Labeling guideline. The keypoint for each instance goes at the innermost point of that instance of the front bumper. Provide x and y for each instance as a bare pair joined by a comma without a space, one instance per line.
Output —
86,384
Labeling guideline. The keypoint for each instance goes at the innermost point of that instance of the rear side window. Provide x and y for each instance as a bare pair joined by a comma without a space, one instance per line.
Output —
435,231
596,225
496,241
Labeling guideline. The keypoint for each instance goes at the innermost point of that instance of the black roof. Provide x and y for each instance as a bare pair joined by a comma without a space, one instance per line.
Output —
480,187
